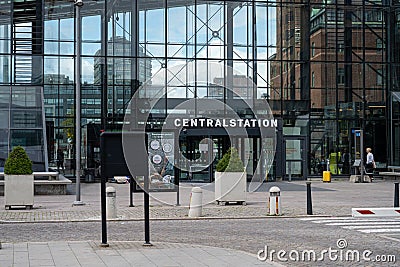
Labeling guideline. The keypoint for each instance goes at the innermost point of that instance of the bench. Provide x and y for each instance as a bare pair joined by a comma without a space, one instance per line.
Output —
50,175
393,173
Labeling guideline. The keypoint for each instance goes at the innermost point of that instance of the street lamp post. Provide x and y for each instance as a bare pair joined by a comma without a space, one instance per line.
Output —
78,5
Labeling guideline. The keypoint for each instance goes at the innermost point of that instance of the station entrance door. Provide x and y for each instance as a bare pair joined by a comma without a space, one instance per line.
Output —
294,156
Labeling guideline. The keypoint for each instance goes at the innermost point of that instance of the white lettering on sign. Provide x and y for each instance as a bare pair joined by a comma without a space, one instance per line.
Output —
217,123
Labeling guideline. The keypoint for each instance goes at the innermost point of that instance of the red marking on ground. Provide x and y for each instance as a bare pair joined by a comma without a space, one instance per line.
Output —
365,212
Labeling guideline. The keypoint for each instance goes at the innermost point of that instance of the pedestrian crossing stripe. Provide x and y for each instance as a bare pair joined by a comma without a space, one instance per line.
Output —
352,227
363,225
370,231
330,218
355,220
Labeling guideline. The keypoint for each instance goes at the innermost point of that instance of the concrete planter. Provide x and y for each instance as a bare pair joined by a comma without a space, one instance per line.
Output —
230,187
18,191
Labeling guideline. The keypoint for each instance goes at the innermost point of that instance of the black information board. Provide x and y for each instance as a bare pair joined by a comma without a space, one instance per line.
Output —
112,156
139,155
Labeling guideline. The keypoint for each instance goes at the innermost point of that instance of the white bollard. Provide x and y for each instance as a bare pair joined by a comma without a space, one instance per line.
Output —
274,203
195,205
111,207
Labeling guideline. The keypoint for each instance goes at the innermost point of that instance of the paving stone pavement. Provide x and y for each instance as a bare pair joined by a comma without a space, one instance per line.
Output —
330,199
90,253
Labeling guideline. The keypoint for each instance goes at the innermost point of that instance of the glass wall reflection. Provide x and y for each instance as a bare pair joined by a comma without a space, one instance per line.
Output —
323,67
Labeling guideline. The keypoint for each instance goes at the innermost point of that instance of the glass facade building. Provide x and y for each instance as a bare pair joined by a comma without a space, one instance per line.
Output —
325,68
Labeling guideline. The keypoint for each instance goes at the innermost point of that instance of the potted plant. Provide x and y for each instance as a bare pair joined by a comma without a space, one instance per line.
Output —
18,179
230,179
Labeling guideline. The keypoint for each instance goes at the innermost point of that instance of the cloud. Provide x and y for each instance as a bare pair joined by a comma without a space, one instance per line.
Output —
87,70
67,68
182,72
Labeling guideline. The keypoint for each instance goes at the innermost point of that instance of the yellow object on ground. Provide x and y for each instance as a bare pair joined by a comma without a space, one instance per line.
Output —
326,177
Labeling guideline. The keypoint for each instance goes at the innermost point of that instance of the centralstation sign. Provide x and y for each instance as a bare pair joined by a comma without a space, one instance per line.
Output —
226,123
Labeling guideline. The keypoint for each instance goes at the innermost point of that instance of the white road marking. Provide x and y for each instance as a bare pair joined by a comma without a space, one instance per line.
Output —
367,225
364,223
358,220
325,218
380,231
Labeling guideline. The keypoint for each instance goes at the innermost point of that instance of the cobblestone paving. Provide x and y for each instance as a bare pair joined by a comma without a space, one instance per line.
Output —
136,213
335,199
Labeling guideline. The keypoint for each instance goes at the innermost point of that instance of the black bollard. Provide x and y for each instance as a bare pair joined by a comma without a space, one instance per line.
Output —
131,184
309,201
396,195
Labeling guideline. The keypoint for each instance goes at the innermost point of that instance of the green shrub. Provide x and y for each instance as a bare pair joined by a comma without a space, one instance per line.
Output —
230,162
18,162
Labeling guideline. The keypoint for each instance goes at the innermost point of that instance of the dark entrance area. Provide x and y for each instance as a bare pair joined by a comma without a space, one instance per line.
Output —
196,146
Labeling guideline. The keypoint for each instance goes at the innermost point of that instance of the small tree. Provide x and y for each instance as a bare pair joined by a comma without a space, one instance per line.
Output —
230,162
18,162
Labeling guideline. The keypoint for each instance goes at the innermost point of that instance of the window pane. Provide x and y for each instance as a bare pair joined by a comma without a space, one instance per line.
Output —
26,118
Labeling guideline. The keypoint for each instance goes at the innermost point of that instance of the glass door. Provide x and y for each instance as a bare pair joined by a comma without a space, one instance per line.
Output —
295,158
198,154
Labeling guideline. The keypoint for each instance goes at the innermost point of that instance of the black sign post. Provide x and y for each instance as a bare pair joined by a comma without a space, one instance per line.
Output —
103,212
146,212
118,160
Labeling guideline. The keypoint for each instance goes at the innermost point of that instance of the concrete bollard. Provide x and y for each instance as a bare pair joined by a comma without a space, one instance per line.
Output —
111,207
195,205
274,202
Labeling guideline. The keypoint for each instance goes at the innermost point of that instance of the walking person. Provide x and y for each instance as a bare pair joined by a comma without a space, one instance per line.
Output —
345,162
370,164
60,160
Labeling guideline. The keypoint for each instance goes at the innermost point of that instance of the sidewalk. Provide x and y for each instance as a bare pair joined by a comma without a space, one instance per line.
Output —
330,199
89,253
